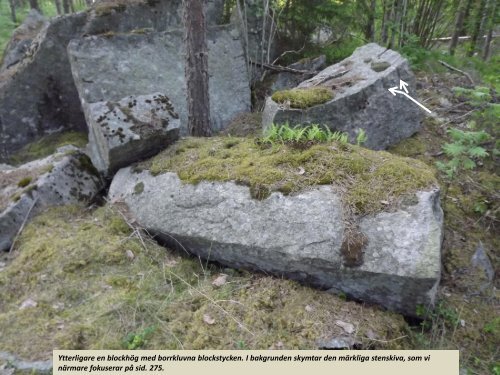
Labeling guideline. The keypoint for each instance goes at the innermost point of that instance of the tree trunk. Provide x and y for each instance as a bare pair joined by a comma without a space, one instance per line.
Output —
384,26
58,6
489,35
71,6
477,28
65,6
458,25
34,5
13,11
196,69
370,23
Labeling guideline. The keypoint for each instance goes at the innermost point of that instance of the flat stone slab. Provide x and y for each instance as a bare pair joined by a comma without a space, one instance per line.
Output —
298,236
109,68
66,177
361,100
134,128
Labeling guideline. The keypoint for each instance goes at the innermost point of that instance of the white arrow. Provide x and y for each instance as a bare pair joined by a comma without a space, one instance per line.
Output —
403,85
394,91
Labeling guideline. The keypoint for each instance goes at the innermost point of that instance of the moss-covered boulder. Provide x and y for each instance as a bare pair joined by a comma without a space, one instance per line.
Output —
347,219
65,177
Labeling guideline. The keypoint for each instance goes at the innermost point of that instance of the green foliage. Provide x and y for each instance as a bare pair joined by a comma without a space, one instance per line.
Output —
463,151
493,327
303,98
477,96
441,313
334,52
137,340
302,134
361,138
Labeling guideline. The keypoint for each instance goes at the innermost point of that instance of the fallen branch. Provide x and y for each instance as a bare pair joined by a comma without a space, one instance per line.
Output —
279,68
457,70
460,38
287,52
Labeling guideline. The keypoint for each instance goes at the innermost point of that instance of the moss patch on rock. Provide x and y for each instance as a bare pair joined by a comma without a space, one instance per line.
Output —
303,98
368,180
94,285
379,66
47,146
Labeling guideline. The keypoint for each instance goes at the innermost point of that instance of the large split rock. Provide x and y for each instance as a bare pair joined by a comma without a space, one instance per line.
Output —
131,129
297,236
361,100
37,93
113,67
65,177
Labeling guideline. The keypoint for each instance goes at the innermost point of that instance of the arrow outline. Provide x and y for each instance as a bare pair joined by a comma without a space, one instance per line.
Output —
402,84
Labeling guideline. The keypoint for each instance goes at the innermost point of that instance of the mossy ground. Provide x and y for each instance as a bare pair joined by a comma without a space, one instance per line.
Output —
303,98
97,285
47,146
467,316
368,180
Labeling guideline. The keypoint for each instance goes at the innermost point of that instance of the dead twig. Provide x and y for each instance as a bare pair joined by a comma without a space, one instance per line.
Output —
286,53
279,68
457,70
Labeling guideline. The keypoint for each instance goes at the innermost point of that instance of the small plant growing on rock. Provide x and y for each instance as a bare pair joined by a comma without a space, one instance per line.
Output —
302,135
361,138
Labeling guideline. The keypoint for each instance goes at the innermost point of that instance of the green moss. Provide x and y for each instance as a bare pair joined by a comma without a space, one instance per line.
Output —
139,188
47,146
87,166
409,147
379,66
24,182
96,286
304,98
367,177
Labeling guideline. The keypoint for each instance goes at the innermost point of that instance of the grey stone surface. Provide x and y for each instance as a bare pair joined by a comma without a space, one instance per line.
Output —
362,99
15,363
110,68
65,177
134,128
21,39
297,236
288,80
38,95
